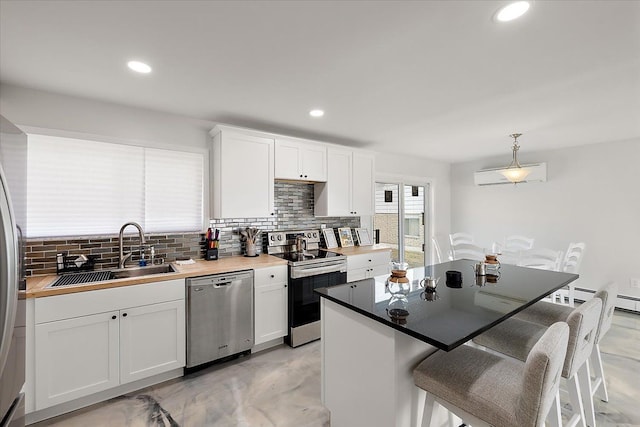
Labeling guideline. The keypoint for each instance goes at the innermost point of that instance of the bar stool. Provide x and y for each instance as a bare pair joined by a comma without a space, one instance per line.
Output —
515,337
486,389
545,313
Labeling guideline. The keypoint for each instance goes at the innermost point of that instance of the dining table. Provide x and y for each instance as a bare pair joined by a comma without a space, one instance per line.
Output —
374,332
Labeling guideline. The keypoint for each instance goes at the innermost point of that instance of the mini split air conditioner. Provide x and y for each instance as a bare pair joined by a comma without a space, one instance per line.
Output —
494,177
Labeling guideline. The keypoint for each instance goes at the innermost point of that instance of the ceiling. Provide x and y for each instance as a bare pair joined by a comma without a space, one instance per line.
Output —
436,79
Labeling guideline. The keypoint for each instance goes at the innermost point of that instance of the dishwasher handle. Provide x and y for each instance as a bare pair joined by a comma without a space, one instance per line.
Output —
219,280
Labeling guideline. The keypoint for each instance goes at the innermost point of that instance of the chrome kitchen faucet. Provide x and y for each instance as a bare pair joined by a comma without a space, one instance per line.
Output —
124,257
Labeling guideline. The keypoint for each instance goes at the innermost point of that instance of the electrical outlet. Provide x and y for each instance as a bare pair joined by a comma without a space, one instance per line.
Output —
634,282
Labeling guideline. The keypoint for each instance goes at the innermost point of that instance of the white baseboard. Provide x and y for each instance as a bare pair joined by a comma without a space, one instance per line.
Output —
623,302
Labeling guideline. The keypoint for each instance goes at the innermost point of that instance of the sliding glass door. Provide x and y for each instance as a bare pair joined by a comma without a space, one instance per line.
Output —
414,225
400,221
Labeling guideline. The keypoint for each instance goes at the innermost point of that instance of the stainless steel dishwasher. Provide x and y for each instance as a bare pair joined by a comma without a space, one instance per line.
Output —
219,316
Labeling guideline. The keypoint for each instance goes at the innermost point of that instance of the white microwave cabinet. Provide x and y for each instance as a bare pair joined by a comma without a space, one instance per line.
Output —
300,160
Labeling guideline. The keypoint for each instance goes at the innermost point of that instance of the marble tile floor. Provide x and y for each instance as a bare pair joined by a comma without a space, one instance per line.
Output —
281,387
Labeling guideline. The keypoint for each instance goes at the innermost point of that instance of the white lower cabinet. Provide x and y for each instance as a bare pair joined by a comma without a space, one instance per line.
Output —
152,340
76,357
138,332
271,299
365,266
362,295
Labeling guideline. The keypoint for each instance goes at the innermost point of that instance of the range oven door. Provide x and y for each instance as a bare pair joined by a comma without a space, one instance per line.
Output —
304,305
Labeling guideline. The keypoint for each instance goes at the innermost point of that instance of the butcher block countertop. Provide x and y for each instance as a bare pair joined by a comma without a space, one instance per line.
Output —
358,250
37,285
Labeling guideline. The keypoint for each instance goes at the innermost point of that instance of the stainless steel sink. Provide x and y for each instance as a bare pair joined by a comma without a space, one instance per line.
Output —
123,273
96,277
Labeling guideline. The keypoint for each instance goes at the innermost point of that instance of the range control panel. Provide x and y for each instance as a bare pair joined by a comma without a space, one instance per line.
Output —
285,238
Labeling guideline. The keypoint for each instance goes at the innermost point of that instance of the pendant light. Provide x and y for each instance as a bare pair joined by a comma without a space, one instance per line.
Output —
514,172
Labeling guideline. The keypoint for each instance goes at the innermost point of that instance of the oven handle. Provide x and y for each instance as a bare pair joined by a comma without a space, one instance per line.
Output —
299,272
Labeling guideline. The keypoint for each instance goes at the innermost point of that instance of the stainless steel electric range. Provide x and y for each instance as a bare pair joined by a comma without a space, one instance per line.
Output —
309,268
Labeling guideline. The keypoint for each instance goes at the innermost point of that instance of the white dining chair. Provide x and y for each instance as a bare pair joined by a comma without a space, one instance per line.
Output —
460,238
468,251
515,337
510,257
486,389
571,264
541,258
437,250
518,243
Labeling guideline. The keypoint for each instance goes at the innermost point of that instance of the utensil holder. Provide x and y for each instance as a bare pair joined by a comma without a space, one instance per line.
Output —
250,249
211,254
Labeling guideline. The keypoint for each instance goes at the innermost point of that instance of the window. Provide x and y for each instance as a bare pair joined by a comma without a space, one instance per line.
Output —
80,187
412,227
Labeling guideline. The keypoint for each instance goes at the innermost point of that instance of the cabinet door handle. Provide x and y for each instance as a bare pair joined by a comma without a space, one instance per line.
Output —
114,317
300,176
124,314
272,276
305,176
285,286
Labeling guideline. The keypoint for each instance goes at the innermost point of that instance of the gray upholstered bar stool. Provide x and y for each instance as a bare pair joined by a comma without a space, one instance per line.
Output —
516,337
485,389
546,313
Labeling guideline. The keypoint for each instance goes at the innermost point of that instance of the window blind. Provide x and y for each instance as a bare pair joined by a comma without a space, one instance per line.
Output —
173,190
79,187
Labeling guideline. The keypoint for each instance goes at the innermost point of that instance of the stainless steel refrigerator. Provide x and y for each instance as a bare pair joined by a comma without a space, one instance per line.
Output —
13,215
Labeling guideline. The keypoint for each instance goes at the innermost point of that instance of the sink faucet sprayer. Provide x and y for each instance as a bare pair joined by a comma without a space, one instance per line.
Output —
124,257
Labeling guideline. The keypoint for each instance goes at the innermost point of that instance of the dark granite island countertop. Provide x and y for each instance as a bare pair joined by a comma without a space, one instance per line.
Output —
453,314
368,355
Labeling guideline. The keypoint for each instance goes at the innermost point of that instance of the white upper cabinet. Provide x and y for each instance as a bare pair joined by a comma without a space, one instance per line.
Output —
362,185
349,187
242,174
300,160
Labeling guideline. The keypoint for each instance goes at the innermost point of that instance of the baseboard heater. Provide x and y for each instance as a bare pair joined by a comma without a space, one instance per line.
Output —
623,302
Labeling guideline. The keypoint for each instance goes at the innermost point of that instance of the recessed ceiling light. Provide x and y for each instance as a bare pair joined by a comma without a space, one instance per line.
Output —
316,113
512,11
139,67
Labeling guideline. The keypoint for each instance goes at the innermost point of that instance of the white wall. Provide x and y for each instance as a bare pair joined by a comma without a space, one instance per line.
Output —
37,108
592,195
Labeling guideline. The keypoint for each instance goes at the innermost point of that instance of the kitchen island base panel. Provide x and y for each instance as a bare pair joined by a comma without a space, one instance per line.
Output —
367,370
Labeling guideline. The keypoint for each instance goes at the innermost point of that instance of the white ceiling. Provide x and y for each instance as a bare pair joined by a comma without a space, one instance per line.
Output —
437,79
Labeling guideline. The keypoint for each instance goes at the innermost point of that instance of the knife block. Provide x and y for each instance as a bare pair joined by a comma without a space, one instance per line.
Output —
211,254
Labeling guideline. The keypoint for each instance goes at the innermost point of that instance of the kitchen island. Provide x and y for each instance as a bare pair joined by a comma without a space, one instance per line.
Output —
374,335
